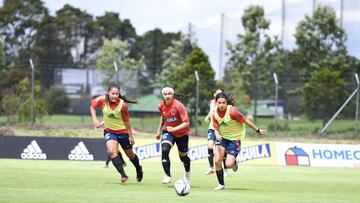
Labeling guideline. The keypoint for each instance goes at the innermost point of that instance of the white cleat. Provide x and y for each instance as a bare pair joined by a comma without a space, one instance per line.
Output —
166,180
210,171
219,187
187,176
225,172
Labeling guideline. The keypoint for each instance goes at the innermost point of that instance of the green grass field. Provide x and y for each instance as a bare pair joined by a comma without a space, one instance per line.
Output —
76,181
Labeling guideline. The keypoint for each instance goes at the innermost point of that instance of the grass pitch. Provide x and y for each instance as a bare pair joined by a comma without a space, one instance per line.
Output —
77,181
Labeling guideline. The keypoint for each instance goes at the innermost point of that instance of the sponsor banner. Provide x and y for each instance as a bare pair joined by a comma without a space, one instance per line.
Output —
52,148
319,155
254,152
148,151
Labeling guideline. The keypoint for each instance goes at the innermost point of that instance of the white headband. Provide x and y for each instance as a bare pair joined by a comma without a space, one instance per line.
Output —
167,89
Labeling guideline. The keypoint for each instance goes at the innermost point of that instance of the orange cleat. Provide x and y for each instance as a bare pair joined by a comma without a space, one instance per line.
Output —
124,179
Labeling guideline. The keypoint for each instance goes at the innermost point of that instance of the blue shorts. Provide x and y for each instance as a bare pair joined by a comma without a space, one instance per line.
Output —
122,139
211,134
181,142
231,146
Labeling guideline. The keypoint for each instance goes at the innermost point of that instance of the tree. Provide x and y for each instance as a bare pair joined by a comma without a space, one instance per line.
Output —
116,51
57,100
322,56
17,105
184,80
175,56
18,24
254,55
323,94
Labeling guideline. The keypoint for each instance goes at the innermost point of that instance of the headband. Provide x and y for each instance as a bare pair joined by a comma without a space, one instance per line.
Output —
167,89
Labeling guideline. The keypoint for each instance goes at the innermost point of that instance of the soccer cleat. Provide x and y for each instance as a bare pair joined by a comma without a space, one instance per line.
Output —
225,172
166,180
139,174
106,166
124,179
235,168
210,171
219,187
187,176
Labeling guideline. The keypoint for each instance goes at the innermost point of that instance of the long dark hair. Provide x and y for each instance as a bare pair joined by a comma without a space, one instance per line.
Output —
123,97
176,94
229,99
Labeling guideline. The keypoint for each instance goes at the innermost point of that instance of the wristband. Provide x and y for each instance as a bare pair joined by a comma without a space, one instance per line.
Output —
258,130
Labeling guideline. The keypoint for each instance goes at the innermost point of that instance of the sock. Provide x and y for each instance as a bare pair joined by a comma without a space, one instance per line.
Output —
108,158
135,161
220,176
121,157
118,165
186,161
165,160
211,157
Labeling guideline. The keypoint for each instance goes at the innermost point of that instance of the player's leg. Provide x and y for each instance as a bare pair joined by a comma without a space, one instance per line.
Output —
112,149
182,144
127,147
167,141
220,147
233,150
211,141
224,165
122,158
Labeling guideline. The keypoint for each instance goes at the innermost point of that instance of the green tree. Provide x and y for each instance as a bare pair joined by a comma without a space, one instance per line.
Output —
321,49
116,51
175,56
18,25
17,105
255,54
323,94
184,80
57,100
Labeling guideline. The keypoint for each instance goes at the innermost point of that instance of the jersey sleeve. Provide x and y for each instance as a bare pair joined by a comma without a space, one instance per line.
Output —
215,122
98,102
125,112
236,115
183,113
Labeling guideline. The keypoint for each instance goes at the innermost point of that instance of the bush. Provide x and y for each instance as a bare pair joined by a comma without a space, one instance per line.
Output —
57,100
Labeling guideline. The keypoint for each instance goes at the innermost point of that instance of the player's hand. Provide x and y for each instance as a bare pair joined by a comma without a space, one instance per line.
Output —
98,124
131,140
158,135
218,137
170,129
207,119
262,132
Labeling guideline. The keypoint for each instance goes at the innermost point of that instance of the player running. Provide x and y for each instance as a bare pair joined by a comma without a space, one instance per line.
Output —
117,129
174,128
229,127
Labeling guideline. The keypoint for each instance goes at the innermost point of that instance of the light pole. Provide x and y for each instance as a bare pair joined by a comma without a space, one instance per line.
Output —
357,105
32,118
197,102
116,72
276,102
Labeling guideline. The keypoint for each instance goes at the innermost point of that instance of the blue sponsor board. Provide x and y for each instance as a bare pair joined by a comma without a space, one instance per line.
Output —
148,151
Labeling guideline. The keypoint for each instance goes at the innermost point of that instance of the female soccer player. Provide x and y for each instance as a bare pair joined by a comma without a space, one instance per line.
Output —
174,128
117,129
211,136
229,126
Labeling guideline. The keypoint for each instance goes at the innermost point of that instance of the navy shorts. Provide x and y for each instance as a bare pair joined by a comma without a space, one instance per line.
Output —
181,142
122,139
211,134
231,146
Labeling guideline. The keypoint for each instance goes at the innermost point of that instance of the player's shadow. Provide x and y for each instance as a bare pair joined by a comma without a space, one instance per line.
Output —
237,189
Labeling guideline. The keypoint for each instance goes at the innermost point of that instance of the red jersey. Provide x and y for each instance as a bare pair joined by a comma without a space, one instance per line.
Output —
234,114
100,102
174,114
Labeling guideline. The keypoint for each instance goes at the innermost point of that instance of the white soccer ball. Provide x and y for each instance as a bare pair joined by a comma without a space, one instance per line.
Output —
182,187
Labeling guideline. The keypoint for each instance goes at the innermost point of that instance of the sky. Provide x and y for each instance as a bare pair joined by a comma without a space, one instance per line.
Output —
205,18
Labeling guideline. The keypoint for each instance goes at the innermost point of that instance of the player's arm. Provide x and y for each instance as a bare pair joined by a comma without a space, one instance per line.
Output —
161,126
130,132
255,128
216,128
96,122
125,115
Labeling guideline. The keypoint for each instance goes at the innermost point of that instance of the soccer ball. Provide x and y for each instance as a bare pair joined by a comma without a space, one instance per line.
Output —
182,187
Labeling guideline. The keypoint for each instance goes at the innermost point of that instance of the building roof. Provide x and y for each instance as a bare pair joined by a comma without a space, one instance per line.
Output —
147,103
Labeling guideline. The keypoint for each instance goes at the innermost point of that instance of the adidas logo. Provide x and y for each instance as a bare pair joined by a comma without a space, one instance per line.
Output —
33,151
80,152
